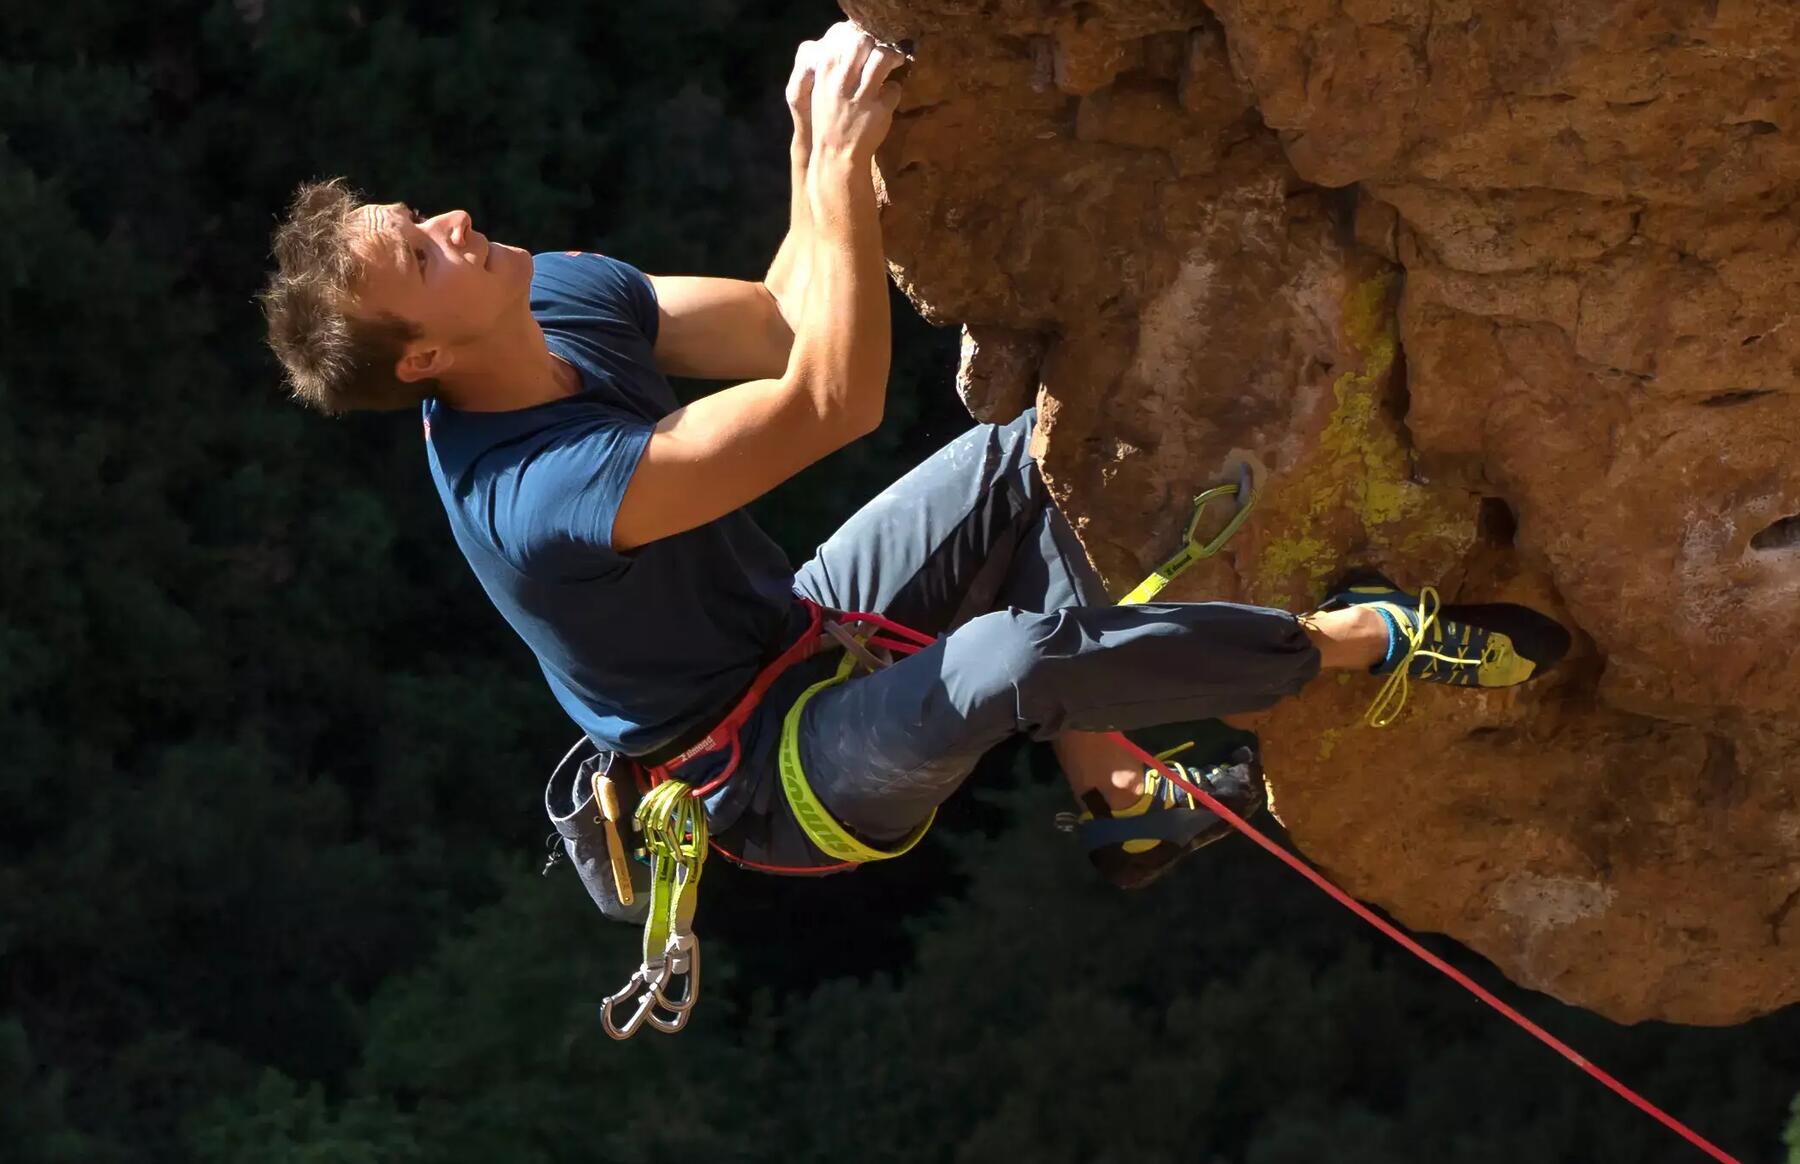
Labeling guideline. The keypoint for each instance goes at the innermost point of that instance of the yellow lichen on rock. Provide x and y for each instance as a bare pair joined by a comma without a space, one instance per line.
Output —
1354,495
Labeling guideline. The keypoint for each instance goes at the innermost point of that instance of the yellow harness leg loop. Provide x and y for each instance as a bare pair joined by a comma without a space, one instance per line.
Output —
819,825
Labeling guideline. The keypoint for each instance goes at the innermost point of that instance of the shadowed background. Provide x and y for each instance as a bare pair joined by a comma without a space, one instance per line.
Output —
270,766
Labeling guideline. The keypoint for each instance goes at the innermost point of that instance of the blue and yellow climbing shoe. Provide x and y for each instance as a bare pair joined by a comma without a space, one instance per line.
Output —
1496,644
1131,847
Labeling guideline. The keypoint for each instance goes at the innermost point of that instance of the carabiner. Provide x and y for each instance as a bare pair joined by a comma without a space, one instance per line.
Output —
651,977
1231,527
1193,550
682,957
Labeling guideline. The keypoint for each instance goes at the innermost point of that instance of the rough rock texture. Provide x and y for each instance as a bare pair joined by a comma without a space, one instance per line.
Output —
1500,292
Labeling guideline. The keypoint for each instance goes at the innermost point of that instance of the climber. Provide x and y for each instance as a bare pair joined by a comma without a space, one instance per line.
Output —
607,523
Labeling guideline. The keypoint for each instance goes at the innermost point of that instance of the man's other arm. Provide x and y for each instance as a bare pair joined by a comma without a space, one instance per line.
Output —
734,329
719,329
725,450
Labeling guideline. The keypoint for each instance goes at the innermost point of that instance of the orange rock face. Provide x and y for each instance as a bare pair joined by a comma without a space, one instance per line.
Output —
1499,293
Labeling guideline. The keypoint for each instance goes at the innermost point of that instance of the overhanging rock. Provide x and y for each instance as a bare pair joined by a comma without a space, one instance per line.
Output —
1501,294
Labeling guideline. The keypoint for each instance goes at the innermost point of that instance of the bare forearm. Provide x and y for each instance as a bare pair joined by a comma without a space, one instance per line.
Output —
842,340
786,279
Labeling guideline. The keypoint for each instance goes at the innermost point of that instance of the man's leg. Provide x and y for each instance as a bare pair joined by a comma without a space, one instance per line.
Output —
1349,640
970,530
883,750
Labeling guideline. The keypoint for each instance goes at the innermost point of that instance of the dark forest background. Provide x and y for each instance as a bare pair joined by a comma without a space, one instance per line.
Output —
270,768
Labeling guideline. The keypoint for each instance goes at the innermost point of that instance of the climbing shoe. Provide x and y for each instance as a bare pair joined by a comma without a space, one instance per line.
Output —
1131,847
1496,644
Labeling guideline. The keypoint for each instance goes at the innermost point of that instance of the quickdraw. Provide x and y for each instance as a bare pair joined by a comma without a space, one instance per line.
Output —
1193,550
667,985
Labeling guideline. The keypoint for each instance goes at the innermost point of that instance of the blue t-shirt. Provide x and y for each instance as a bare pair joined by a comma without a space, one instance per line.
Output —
638,647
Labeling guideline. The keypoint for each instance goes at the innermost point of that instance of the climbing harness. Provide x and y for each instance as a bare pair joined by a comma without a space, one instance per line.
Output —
821,828
670,822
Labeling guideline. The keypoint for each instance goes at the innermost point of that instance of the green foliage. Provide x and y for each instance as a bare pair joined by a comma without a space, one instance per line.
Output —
33,1124
1230,1015
271,769
281,1123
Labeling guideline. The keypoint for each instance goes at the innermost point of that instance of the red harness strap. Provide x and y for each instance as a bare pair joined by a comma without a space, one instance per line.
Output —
725,732
899,639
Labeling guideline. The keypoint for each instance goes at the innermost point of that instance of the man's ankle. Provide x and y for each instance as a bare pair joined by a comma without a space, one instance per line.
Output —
1355,638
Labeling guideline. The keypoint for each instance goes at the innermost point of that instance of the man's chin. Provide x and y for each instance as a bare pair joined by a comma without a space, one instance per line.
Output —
510,263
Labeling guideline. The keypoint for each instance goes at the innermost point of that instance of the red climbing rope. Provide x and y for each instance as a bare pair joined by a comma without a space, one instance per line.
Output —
904,640
1455,975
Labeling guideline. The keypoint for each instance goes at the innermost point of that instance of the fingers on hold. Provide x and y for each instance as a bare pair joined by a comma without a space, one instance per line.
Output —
847,44
859,55
800,81
881,64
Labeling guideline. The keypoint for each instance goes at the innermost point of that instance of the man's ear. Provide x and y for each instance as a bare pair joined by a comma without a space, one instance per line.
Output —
422,364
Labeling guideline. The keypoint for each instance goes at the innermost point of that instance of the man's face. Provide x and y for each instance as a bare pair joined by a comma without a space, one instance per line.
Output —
439,273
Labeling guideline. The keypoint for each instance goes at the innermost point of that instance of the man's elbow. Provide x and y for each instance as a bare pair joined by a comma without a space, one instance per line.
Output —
845,424
855,415
838,408
867,420
778,336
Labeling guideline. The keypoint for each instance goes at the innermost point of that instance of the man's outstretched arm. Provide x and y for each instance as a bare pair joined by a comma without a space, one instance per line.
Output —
734,329
725,450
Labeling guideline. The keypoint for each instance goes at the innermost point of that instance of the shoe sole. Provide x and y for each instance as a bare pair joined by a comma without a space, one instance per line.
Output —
1138,870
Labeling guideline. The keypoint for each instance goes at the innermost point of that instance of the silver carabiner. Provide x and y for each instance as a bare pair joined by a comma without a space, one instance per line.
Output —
651,977
672,1025
682,957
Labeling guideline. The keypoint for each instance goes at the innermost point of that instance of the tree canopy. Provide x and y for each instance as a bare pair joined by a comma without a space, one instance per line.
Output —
269,796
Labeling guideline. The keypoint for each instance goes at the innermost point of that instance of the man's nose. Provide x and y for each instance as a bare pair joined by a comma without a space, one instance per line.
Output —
459,224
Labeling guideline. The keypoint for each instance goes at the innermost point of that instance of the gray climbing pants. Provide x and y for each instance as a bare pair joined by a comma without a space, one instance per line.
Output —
969,546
